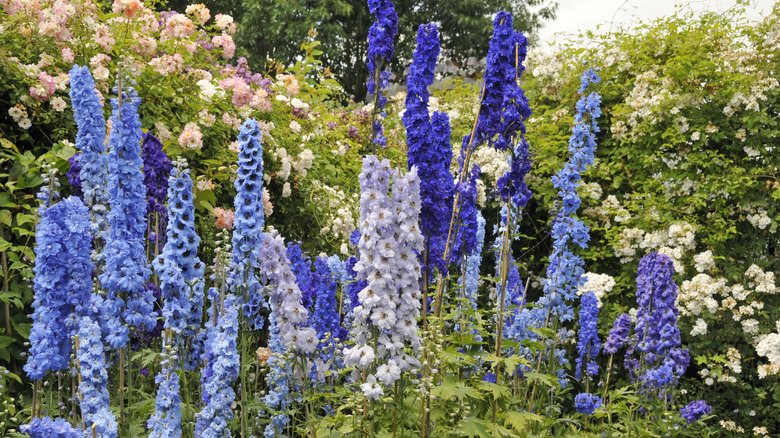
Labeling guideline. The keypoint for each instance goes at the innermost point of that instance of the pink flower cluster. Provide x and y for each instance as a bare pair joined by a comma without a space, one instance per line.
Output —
226,42
177,26
290,82
45,87
225,217
167,64
53,20
191,137
225,22
200,12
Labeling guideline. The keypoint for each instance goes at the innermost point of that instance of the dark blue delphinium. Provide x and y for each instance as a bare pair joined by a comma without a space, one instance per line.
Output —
126,269
47,428
355,285
618,336
586,403
466,240
73,175
589,343
93,160
661,361
94,380
326,319
223,369
695,410
62,284
301,267
157,169
248,224
428,141
380,52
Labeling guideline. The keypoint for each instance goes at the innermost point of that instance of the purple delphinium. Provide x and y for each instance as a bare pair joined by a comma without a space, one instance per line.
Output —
618,336
326,318
301,266
380,52
466,239
285,297
222,371
589,343
695,410
126,269
586,403
661,361
73,175
47,428
429,148
157,169
248,224
93,160
62,284
94,380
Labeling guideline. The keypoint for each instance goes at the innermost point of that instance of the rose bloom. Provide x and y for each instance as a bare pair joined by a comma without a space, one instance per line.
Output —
295,127
45,88
191,137
58,104
263,354
67,55
204,184
225,218
200,11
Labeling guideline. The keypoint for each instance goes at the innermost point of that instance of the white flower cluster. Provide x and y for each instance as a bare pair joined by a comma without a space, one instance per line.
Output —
19,114
769,347
648,93
704,261
757,93
288,162
674,242
699,328
699,293
760,219
591,190
492,163
208,90
760,281
735,360
339,216
599,284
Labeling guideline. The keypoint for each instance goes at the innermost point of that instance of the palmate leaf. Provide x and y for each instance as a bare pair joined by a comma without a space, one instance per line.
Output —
497,391
518,420
474,427
451,387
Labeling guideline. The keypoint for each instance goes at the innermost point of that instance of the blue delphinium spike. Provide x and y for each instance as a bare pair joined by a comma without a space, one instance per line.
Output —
90,139
586,403
94,380
618,336
248,224
223,369
326,318
589,343
279,371
62,284
166,420
470,279
301,267
126,269
380,52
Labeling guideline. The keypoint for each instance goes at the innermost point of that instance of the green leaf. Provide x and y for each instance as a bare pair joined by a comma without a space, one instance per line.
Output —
517,420
474,427
497,391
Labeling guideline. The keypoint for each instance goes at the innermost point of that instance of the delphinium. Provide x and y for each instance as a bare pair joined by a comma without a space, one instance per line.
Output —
326,320
428,142
179,269
617,339
93,161
466,239
248,224
166,420
301,266
48,428
221,372
695,410
588,346
157,169
278,378
73,175
126,269
469,281
380,52
94,380
62,284
661,361
389,304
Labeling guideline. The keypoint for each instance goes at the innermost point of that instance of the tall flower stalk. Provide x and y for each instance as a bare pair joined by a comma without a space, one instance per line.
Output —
380,52
93,386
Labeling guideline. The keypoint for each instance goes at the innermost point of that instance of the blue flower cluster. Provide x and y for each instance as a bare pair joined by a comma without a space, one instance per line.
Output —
93,161
94,380
157,169
166,421
249,221
223,369
126,268
618,336
695,410
466,240
589,343
62,284
48,428
661,361
470,279
355,285
326,319
428,141
74,175
301,267
564,272
279,371
380,47
586,403
285,297
178,267
514,293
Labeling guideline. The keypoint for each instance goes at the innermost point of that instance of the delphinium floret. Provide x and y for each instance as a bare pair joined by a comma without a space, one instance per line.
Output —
586,403
694,410
301,266
618,336
47,428
589,343
94,380
90,140
126,269
248,224
62,284
428,142
380,52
